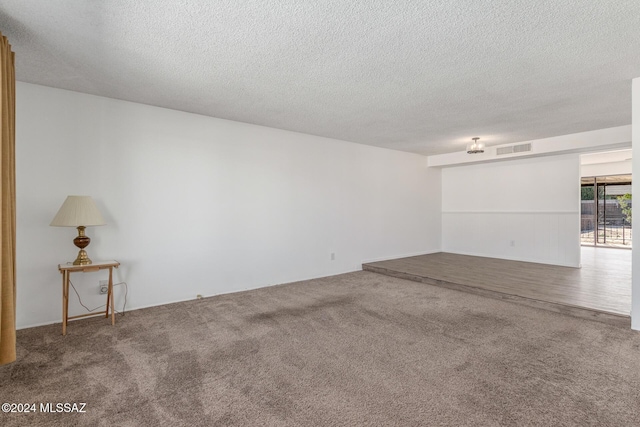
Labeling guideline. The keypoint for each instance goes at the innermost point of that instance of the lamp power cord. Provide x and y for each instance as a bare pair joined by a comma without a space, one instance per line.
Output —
124,305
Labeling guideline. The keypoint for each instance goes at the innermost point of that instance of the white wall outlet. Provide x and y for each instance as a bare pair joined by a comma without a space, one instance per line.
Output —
103,286
513,243
333,256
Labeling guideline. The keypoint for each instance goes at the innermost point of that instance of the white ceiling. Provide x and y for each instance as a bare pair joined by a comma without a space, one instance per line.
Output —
419,76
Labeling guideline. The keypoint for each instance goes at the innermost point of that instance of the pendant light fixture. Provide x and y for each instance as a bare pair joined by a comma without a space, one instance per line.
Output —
475,147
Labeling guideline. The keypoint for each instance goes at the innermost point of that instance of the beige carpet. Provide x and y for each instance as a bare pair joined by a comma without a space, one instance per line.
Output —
354,349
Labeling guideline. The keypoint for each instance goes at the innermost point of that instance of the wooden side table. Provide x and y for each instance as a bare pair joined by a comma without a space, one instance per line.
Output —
66,270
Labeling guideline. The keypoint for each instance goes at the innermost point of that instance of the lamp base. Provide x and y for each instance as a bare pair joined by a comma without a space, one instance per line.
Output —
82,259
82,241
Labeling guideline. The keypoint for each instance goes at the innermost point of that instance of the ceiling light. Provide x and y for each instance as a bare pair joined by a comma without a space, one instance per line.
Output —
475,147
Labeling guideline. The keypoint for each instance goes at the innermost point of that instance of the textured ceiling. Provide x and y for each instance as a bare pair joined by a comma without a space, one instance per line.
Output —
419,76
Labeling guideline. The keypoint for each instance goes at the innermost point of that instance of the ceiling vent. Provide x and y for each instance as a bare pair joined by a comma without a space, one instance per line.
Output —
522,148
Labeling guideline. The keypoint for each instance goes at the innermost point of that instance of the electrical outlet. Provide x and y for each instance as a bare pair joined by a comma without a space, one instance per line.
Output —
103,286
333,256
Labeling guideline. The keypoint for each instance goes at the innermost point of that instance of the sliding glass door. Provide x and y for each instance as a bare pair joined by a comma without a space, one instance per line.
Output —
606,211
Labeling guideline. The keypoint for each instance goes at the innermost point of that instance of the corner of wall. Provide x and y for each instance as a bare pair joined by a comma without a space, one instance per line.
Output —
635,141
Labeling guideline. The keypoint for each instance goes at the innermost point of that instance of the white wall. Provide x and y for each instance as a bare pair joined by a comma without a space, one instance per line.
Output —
198,205
603,169
635,287
522,209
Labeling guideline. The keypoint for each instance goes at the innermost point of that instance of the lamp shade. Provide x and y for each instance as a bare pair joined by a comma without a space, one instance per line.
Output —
78,211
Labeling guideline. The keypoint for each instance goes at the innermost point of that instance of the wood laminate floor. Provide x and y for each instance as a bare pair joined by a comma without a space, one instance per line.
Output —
603,284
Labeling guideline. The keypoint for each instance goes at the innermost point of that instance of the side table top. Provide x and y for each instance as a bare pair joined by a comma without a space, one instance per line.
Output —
89,267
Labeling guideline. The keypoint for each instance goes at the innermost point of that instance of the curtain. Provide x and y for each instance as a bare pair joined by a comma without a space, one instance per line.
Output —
7,203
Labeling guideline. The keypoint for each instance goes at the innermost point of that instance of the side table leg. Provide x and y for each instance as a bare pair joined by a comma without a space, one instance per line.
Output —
109,296
110,299
65,301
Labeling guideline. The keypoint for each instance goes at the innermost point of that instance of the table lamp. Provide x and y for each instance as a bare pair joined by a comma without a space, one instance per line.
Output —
80,212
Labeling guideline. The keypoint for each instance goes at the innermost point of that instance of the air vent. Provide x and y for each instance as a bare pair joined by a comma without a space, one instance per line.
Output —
521,148
513,149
